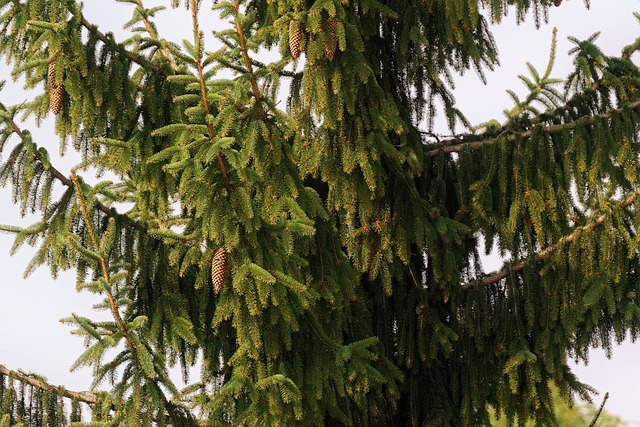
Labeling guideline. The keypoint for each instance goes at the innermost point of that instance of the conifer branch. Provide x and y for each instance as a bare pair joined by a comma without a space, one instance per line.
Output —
258,64
154,34
203,88
16,129
545,253
85,397
112,302
247,62
103,264
104,39
629,50
61,177
457,144
144,63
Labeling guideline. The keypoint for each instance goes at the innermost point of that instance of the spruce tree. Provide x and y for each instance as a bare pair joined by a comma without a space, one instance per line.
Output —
320,262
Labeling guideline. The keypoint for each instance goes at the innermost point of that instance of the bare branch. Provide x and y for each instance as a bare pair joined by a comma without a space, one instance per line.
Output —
593,422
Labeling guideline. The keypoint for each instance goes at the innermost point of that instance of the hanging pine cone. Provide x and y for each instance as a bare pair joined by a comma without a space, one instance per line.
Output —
557,2
219,269
296,39
51,74
56,96
331,38
56,93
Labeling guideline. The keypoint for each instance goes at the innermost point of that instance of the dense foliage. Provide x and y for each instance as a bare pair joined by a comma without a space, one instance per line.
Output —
321,264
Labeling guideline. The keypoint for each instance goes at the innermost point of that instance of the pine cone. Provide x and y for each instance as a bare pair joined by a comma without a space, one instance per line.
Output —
219,269
56,96
331,38
296,39
51,74
557,2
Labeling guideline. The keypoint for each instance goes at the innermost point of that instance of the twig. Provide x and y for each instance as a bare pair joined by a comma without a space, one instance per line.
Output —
593,422
85,396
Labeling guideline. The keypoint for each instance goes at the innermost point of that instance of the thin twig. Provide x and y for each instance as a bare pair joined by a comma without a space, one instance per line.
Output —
593,422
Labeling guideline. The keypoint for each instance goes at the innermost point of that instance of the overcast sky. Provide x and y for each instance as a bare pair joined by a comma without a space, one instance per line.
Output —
32,339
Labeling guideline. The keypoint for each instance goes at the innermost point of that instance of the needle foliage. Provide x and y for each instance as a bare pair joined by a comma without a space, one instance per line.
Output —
347,287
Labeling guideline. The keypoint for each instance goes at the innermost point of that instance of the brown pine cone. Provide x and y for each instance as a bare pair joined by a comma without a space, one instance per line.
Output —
219,269
296,39
51,74
331,38
56,96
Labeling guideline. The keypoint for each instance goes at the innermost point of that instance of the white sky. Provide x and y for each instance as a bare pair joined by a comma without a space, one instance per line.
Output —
32,339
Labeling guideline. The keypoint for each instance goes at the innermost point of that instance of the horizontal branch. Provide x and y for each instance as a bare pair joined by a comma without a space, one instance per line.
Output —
85,396
545,253
455,145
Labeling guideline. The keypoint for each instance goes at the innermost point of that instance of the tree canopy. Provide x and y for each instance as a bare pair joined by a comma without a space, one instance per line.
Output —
320,261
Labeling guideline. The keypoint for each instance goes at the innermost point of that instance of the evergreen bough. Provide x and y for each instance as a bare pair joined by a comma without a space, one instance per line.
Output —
355,292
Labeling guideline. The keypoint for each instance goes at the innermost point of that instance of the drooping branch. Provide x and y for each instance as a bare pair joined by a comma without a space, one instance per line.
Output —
457,144
103,264
104,39
16,129
85,396
545,253
59,175
113,305
129,55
